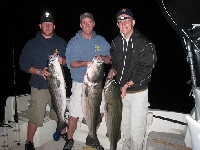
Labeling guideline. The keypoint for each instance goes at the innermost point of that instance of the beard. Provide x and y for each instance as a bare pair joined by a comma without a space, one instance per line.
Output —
47,32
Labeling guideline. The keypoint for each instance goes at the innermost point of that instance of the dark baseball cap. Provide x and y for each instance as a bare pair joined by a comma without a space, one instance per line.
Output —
46,17
125,11
86,15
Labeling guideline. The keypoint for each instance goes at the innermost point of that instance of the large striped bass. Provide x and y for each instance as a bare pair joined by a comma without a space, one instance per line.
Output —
91,99
113,112
57,89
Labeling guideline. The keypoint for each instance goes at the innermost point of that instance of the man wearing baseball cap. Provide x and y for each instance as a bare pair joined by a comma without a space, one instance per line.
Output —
80,51
33,60
133,58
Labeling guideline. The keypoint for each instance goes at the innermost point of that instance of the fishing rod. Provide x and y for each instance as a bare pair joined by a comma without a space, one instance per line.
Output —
16,116
14,83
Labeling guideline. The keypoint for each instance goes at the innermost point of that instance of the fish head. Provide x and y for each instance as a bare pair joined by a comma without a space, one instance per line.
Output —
53,60
95,70
109,84
111,89
53,64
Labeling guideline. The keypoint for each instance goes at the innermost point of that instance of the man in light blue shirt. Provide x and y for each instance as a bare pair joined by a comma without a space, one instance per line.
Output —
80,51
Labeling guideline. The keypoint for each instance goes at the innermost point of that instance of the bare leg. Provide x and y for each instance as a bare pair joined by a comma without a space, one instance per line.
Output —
72,123
31,131
63,131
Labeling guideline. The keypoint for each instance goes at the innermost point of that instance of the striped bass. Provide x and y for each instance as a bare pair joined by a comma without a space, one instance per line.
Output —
57,89
113,112
91,99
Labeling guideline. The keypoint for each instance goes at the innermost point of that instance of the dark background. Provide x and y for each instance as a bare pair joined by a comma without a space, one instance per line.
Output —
168,89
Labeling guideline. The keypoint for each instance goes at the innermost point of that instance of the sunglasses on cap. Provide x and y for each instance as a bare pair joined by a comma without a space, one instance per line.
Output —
124,18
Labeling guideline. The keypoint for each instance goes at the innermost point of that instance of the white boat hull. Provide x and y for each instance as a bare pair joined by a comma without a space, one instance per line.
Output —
165,130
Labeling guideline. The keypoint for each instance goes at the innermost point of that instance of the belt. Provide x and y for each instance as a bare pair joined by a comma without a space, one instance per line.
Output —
130,92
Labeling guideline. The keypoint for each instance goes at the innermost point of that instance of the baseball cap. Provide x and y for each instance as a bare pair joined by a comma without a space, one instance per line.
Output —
125,11
46,17
86,15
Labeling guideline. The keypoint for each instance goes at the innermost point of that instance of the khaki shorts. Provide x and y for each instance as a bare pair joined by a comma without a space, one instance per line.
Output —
37,107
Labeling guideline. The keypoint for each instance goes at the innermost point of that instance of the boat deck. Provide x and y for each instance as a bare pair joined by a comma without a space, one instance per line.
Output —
57,145
164,132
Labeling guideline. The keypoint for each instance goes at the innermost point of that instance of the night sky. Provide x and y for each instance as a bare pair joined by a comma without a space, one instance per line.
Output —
168,89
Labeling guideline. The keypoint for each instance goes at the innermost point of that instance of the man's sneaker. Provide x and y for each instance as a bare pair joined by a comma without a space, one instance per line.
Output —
69,144
29,146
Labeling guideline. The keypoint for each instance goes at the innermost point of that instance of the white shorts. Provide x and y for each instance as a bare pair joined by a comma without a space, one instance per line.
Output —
75,107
